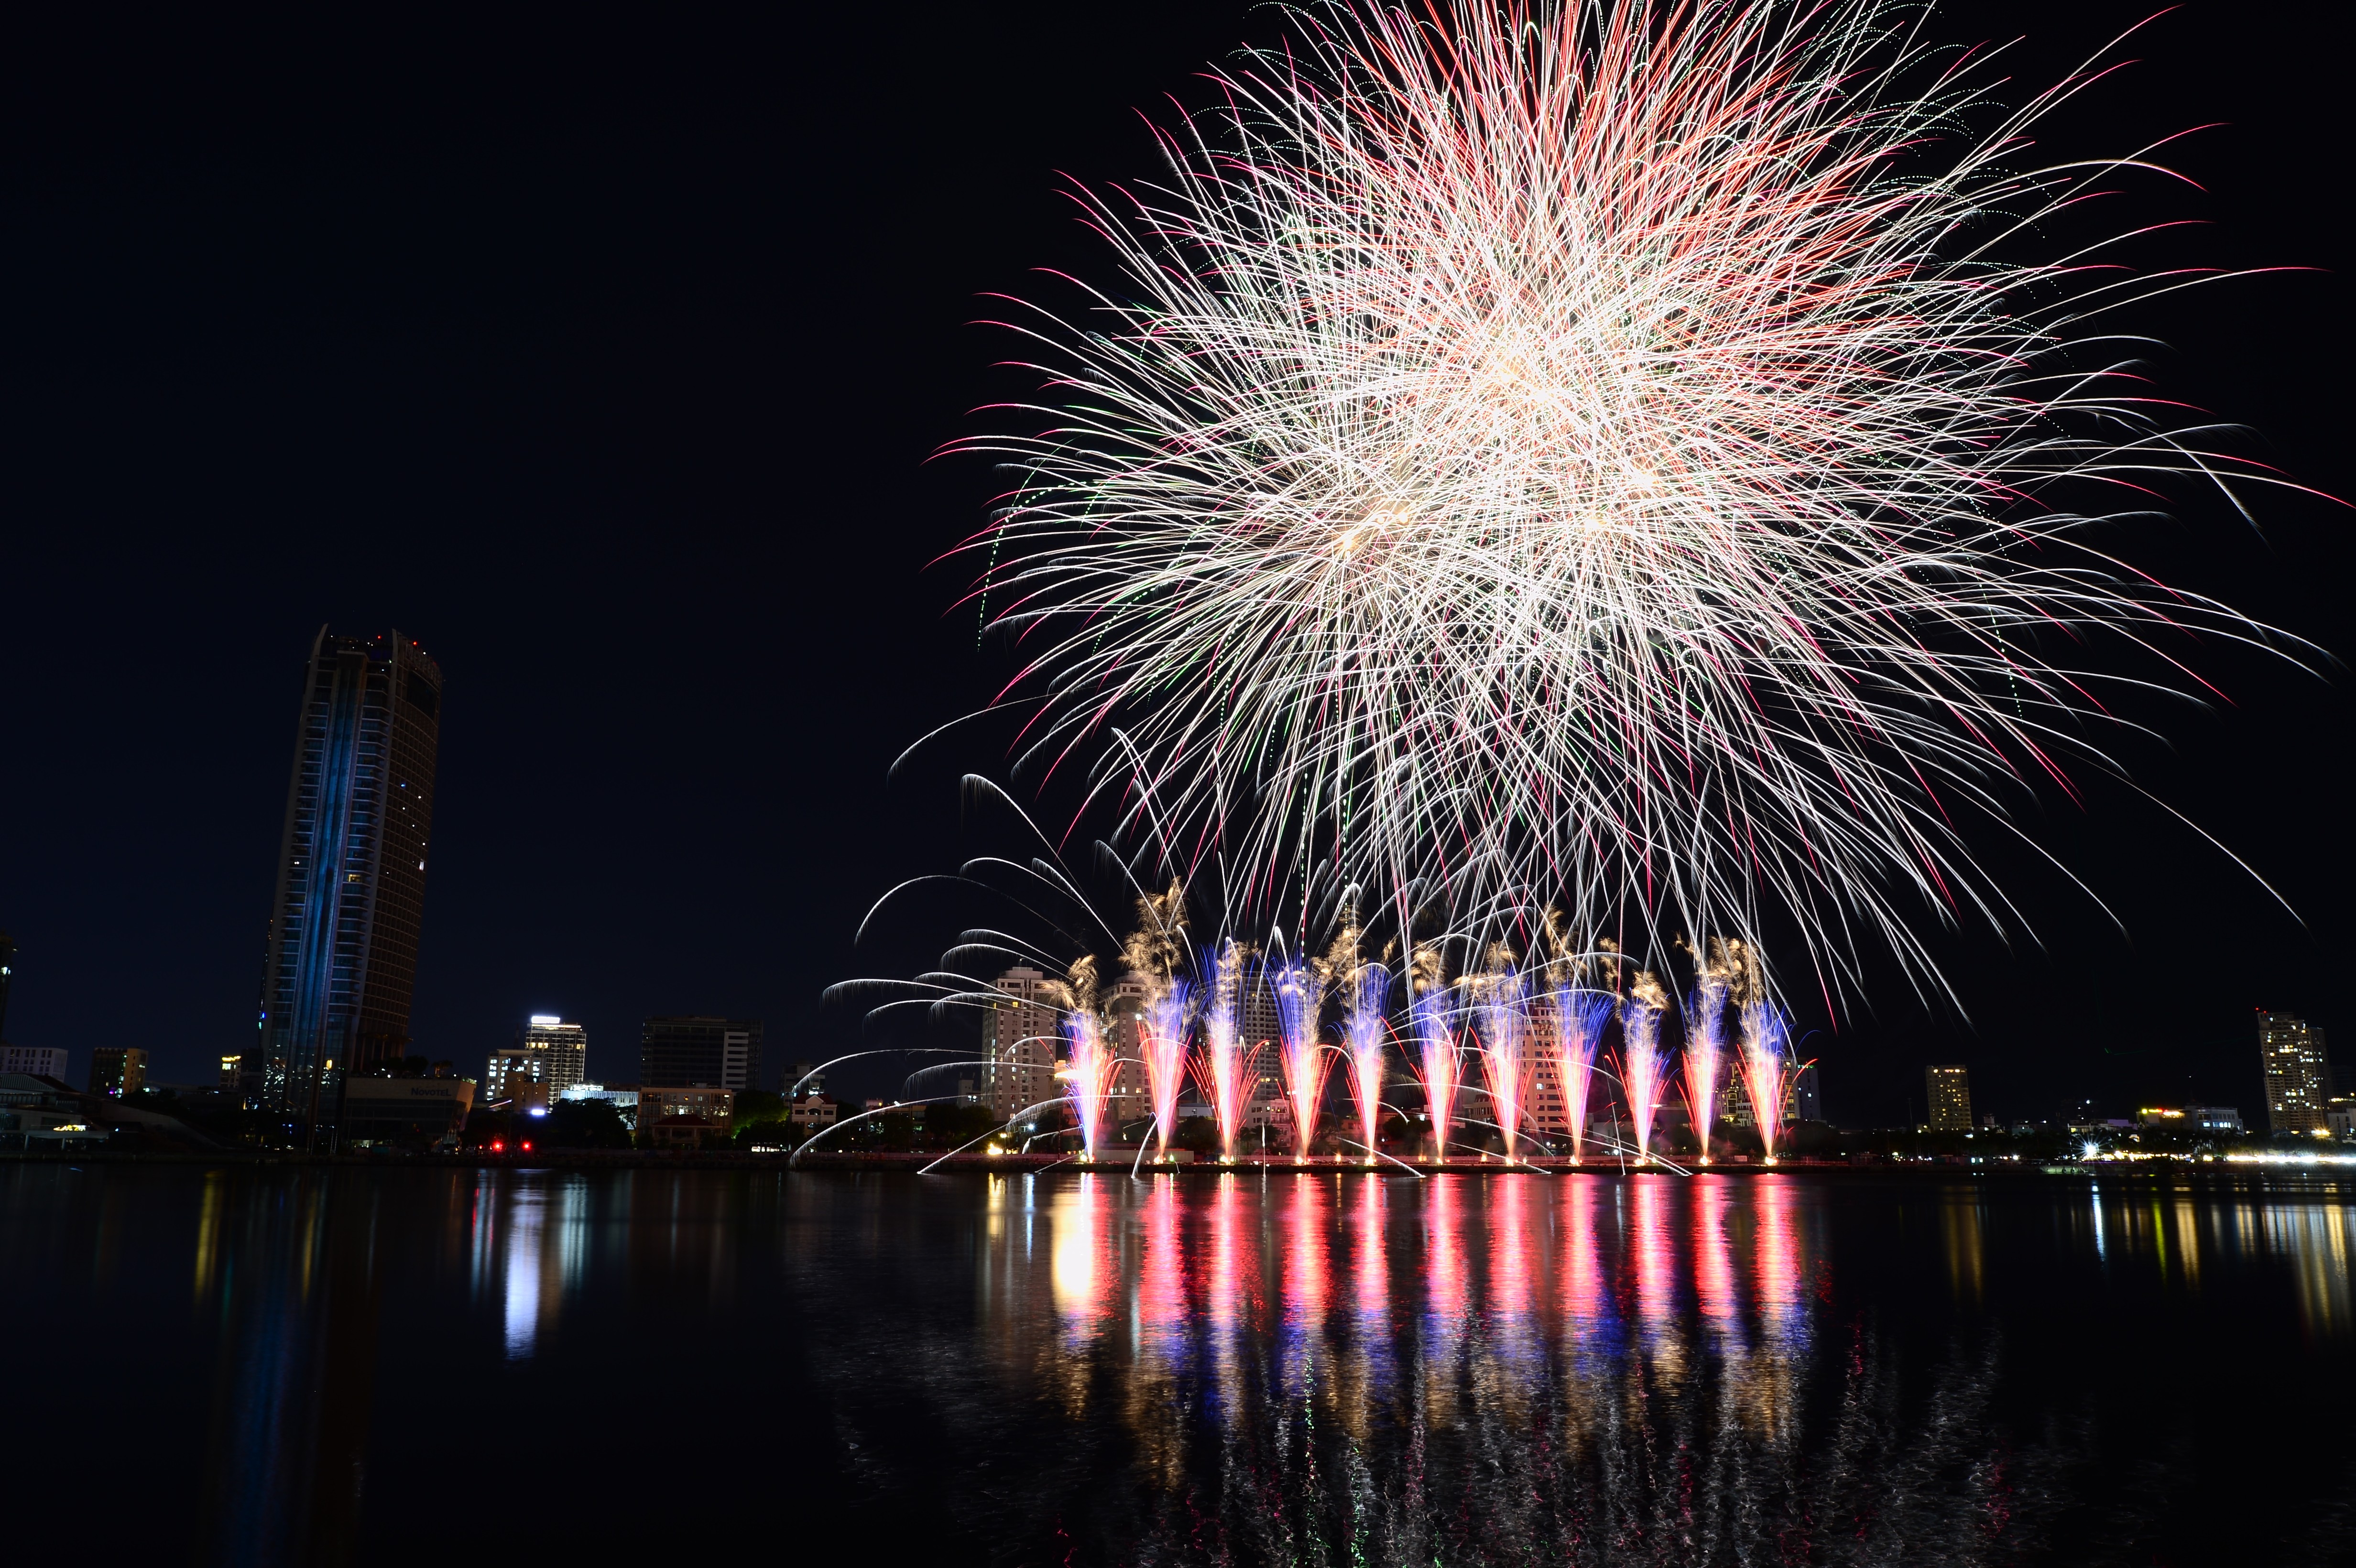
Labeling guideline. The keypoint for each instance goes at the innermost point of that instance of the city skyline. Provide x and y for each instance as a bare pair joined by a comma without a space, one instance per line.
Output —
636,815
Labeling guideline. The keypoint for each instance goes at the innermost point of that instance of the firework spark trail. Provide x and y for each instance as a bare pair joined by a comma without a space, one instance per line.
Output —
1300,1001
1443,1065
1765,1069
1643,1060
1225,1067
1705,1039
1578,1017
1169,1018
1087,1076
1591,453
1504,1032
1365,1027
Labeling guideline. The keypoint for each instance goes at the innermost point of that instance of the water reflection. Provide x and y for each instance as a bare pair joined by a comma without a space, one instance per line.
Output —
1271,1425
1331,1367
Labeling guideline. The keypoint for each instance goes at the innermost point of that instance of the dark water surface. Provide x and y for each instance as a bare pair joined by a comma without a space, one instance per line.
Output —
273,1367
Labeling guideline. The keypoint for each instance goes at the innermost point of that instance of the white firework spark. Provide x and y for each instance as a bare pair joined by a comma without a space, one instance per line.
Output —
1592,456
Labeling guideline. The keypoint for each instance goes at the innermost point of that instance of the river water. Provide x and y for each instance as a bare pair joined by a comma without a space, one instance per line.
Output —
264,1367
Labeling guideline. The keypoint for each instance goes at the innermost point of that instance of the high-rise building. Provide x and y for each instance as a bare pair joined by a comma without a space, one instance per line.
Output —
567,1046
231,1067
43,1061
118,1070
7,972
1025,1031
1949,1090
693,1051
1808,1095
342,955
2297,1073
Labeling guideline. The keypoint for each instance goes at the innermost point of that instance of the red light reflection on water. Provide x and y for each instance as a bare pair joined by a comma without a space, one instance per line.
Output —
1509,1249
1162,1278
1713,1249
1582,1277
1443,1245
1655,1267
1776,1252
1371,1264
1307,1289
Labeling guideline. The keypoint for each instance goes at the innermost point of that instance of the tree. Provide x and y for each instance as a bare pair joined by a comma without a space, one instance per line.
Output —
585,1123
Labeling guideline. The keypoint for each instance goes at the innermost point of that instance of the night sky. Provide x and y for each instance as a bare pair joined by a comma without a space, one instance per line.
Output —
605,359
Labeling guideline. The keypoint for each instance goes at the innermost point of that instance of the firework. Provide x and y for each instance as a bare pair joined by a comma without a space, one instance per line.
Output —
1706,1038
1765,1069
1168,1018
1576,1018
1642,1059
1300,1001
1588,452
1225,1068
1088,1075
1442,1064
1504,1028
1364,1027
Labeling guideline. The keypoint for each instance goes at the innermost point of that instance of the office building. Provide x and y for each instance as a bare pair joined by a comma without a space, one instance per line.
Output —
40,1060
1025,1037
2213,1119
684,1119
695,1051
1806,1099
2297,1075
1948,1089
341,958
408,1113
118,1070
566,1046
230,1068
517,1076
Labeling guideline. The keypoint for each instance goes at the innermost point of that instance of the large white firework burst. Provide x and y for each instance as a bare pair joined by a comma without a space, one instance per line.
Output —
1590,455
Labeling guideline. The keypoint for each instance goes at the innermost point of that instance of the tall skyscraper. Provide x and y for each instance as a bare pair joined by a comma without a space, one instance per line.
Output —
1949,1090
699,1053
342,955
567,1046
2298,1072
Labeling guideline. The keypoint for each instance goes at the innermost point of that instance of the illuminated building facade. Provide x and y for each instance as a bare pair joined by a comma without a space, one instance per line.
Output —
1025,1031
118,1070
567,1049
517,1075
341,960
1948,1089
41,1060
692,1051
2297,1075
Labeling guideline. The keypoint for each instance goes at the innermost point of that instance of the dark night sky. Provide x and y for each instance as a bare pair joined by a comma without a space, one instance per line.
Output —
605,357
